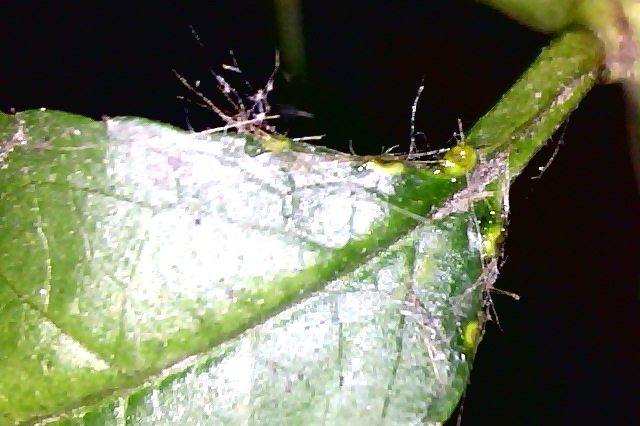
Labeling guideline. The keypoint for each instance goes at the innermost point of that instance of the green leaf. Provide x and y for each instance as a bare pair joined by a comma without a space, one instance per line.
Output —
614,22
154,276
543,15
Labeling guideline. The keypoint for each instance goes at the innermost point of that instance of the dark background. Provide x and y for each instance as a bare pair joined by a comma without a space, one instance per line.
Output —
568,352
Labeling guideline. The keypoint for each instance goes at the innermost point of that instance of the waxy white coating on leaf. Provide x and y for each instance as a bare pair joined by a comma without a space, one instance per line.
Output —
178,236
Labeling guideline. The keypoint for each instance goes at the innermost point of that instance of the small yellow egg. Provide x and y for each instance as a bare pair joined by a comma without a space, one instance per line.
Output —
471,334
390,167
459,160
490,237
275,143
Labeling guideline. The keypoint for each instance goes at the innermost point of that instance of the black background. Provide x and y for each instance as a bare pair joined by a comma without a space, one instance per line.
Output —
568,352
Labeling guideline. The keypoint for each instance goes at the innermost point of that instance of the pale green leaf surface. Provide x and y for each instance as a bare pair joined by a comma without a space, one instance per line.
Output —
128,246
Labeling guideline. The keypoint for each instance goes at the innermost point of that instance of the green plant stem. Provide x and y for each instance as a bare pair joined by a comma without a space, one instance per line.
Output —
289,24
538,103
